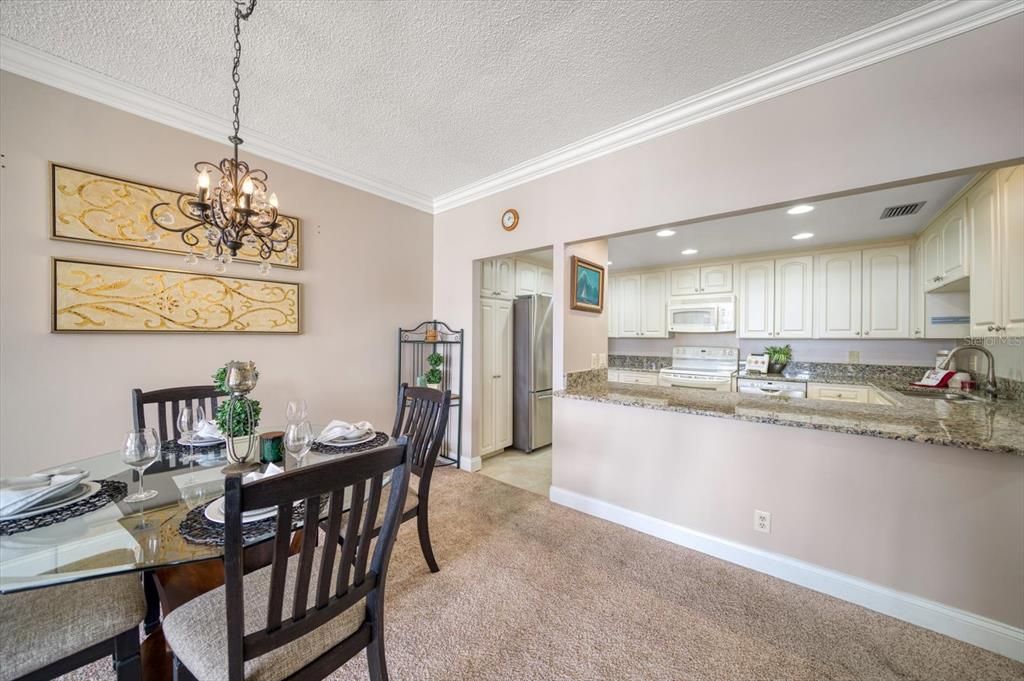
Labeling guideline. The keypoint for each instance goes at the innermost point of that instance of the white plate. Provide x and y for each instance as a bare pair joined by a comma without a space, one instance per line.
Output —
348,443
83,490
46,493
200,443
215,513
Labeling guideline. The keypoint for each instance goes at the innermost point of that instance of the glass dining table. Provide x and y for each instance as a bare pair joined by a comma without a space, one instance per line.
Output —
120,537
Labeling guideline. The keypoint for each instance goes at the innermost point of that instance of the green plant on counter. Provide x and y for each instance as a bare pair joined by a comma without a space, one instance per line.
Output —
240,424
779,354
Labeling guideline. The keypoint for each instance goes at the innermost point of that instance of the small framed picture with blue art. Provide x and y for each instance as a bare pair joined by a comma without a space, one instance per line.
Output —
587,286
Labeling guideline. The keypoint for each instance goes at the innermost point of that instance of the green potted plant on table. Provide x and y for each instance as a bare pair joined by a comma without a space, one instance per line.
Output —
433,375
778,357
240,422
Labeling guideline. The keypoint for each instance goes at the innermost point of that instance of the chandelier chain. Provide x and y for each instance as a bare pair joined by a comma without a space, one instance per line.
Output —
241,12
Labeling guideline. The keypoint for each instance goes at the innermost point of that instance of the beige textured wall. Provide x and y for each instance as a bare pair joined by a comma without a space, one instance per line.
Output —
366,270
939,522
585,333
953,105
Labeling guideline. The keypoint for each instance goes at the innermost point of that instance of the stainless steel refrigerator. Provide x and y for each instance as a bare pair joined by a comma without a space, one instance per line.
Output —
531,371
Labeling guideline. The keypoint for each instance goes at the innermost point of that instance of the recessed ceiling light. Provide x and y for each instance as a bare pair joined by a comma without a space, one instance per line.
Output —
665,232
608,264
801,209
689,251
803,235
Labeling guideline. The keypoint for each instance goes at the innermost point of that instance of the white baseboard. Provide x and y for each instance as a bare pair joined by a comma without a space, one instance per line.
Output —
472,463
959,624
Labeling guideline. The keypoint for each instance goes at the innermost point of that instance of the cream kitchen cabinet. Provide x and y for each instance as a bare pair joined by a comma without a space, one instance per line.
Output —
532,278
775,298
498,278
863,294
496,373
885,292
838,393
639,305
996,218
637,377
686,281
611,307
945,248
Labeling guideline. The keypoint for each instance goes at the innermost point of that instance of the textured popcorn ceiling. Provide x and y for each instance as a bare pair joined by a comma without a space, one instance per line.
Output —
434,95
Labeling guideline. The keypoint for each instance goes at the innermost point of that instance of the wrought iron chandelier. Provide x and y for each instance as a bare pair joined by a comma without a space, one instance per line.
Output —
235,210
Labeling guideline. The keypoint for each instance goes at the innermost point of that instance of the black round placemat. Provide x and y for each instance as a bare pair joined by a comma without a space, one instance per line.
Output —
198,530
109,491
379,440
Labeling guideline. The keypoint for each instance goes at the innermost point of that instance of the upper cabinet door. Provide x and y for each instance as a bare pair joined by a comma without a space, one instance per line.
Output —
628,305
917,275
547,282
612,306
716,279
757,299
654,322
1011,218
488,278
953,231
794,290
885,295
684,281
837,299
931,253
982,218
506,277
527,278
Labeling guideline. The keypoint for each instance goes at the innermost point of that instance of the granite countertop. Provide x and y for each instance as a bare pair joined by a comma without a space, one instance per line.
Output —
985,426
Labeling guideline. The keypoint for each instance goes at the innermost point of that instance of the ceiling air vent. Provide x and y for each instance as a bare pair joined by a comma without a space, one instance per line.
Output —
901,211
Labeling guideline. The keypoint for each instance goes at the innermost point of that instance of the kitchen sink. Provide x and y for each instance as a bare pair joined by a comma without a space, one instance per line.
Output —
929,395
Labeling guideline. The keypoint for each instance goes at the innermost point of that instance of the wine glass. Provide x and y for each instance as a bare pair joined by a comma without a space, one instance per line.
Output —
298,438
189,420
296,412
141,448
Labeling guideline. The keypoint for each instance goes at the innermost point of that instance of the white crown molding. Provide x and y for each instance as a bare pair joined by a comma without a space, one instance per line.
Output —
918,28
37,65
983,632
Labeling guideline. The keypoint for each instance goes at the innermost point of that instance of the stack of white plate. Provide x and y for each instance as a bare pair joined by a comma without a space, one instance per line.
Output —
43,492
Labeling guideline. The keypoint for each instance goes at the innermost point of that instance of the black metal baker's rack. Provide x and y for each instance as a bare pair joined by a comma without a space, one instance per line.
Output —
414,345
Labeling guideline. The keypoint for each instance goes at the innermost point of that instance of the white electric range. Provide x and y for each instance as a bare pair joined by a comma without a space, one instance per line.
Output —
701,367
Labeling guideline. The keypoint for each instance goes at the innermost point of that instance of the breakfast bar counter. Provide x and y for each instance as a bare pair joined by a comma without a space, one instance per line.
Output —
992,426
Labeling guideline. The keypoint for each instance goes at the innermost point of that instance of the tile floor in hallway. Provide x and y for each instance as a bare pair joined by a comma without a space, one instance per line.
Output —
531,472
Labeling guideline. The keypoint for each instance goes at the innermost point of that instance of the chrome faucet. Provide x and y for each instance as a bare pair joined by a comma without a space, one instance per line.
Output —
990,381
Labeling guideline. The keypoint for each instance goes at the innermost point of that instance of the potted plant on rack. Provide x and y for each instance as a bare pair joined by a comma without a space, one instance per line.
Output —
778,357
433,376
240,423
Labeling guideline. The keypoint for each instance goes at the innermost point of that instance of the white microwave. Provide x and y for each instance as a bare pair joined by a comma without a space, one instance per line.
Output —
712,314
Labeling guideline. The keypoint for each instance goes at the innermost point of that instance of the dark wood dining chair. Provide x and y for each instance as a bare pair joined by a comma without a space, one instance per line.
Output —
305,615
54,630
422,416
168,403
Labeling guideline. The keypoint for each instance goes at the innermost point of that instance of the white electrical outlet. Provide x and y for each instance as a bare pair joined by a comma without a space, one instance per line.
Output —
593,360
853,357
602,360
763,521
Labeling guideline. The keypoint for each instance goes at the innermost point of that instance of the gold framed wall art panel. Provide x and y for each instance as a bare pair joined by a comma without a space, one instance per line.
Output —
97,297
100,209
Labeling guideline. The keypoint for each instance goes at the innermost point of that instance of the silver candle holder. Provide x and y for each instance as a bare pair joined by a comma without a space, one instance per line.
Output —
240,380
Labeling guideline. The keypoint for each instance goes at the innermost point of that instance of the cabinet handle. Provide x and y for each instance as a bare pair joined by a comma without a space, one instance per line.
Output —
866,332
696,290
857,332
991,328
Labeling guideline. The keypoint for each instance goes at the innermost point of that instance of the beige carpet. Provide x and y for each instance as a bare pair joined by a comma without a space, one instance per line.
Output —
530,590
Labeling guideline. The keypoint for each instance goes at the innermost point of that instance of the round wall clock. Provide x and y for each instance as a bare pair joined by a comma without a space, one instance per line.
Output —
509,219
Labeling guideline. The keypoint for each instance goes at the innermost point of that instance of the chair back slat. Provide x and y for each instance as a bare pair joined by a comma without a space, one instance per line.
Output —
422,416
279,566
169,402
305,570
368,526
358,571
334,511
348,547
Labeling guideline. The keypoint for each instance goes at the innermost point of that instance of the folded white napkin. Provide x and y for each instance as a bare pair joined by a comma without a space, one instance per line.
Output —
19,494
208,430
271,471
343,430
